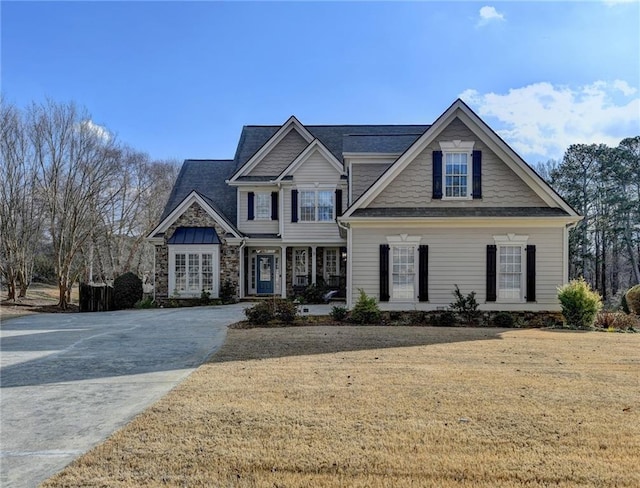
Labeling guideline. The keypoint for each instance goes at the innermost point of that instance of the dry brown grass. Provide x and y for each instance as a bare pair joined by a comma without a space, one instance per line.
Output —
384,406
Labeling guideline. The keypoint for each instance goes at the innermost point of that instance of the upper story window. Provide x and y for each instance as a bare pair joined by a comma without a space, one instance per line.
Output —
263,206
317,206
457,171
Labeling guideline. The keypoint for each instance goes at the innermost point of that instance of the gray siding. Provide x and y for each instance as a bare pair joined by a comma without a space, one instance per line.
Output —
363,175
501,187
316,169
255,226
458,256
281,155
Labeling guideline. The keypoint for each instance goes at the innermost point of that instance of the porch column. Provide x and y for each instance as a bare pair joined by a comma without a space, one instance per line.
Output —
283,271
313,265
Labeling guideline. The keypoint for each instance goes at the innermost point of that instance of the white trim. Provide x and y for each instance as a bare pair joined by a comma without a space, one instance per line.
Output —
512,240
267,195
325,275
187,249
349,292
291,124
404,241
486,135
315,189
372,155
293,263
302,158
192,197
457,147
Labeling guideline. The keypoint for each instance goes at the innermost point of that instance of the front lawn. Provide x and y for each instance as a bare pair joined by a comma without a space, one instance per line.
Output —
389,406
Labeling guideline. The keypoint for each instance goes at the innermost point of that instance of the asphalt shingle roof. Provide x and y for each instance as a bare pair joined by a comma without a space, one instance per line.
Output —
207,177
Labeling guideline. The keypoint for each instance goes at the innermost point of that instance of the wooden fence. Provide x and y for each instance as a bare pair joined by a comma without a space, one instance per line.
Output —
96,298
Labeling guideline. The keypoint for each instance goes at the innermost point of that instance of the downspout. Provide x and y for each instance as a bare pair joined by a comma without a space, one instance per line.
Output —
348,285
242,270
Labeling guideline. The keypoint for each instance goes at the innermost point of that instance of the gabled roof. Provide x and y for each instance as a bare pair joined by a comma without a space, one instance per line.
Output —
488,136
206,204
316,145
207,177
333,137
291,124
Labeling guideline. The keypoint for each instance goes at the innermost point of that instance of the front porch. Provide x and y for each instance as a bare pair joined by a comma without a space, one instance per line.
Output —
287,271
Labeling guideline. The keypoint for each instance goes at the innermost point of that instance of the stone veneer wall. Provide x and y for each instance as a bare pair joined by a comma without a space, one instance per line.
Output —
196,216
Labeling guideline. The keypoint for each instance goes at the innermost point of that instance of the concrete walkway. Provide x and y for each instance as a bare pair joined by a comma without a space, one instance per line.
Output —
68,381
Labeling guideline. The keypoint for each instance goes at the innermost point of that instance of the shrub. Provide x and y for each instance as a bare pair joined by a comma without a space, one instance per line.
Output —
285,310
624,306
633,299
446,319
580,304
616,321
227,292
339,313
205,298
261,313
145,303
314,294
127,290
503,319
465,306
366,310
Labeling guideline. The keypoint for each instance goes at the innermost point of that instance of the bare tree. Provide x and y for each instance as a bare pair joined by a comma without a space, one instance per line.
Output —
77,164
118,243
20,209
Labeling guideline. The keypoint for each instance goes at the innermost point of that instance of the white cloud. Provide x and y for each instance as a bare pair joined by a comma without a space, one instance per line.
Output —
100,131
541,120
488,14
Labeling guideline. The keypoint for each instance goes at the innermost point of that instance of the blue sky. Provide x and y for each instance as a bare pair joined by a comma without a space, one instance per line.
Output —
179,80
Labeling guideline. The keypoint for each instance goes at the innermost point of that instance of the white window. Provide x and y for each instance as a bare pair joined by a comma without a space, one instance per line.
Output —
263,206
457,169
511,267
403,272
403,261
510,273
300,267
193,269
316,205
331,266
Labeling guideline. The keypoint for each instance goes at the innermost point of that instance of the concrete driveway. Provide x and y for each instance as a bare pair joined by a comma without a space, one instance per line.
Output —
68,381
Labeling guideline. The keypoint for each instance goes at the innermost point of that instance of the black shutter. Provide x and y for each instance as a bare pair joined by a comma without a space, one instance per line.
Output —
250,209
294,205
491,273
531,273
274,205
338,202
423,273
437,175
384,272
477,174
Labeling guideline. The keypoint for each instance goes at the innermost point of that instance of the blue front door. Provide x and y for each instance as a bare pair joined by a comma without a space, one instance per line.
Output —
265,274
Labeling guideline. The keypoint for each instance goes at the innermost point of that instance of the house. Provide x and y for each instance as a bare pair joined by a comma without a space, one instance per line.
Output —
403,212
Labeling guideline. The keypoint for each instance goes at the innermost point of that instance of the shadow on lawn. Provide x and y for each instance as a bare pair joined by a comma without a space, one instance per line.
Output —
265,343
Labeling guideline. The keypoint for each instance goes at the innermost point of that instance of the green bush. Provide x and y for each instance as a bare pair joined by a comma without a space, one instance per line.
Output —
633,299
580,304
339,313
314,293
274,309
465,306
205,298
624,306
145,303
227,292
445,319
503,319
285,310
366,310
261,313
127,290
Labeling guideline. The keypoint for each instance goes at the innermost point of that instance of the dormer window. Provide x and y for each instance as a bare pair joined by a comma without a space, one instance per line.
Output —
457,172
